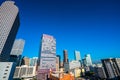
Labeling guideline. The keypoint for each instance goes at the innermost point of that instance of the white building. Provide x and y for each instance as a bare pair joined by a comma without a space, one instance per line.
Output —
18,47
25,72
47,58
73,67
9,24
77,55
88,61
7,70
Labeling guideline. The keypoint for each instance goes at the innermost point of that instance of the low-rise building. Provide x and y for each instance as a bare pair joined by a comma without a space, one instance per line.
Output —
25,72
7,70
61,76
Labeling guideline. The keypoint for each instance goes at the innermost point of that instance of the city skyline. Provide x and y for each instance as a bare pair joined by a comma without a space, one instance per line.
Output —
87,27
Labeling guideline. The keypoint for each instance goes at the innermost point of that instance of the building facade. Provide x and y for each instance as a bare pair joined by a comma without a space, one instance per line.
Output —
77,55
9,24
112,68
25,72
47,55
18,47
88,60
7,70
65,55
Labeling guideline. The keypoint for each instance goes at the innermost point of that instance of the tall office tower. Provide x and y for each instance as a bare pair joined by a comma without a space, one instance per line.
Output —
16,51
65,53
88,60
33,61
112,68
9,24
47,56
18,47
77,55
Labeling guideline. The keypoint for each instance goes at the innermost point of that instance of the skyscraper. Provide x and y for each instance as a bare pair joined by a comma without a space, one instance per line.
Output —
112,68
57,62
16,51
47,55
65,53
88,60
18,47
9,24
59,59
77,55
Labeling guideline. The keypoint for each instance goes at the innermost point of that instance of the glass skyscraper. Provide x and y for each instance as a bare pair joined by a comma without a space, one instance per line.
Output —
88,60
47,55
77,55
9,24
18,47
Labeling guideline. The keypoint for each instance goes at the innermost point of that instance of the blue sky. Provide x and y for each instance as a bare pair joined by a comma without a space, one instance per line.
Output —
90,26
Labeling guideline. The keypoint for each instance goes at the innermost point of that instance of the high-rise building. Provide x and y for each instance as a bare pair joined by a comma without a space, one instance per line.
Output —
16,52
33,61
9,24
112,68
100,72
77,55
57,62
65,53
88,61
47,56
18,47
7,70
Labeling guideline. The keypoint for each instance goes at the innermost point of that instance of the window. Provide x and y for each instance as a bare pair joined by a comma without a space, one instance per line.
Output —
5,73
7,67
4,77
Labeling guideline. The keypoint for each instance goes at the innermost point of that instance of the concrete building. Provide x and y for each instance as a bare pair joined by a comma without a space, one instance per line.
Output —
9,24
25,72
47,56
100,72
7,70
112,68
